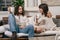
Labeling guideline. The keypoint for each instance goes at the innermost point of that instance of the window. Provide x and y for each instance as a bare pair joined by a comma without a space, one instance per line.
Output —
4,4
32,5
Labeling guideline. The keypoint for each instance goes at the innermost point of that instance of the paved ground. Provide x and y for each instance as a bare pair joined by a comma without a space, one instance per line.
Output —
43,38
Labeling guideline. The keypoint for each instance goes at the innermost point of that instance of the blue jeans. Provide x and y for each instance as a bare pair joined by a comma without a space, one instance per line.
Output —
14,27
28,30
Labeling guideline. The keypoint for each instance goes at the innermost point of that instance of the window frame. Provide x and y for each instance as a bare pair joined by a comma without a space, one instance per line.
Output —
31,8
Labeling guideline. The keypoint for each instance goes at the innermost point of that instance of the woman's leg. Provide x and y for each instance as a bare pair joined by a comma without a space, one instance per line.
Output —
28,30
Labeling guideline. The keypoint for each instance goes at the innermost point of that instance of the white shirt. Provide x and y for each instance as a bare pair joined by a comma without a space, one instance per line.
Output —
49,24
30,21
23,18
20,19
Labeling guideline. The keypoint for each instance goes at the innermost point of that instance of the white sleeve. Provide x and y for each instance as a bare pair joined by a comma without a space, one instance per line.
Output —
50,24
53,25
41,19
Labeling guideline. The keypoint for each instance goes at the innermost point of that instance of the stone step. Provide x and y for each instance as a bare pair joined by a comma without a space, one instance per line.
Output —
10,39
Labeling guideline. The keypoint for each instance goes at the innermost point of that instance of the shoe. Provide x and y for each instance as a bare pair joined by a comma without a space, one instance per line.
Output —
14,36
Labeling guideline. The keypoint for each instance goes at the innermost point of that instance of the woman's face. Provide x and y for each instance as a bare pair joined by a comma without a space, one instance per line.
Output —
20,9
41,10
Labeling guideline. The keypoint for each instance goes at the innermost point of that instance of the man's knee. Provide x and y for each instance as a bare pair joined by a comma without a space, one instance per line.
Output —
30,26
8,33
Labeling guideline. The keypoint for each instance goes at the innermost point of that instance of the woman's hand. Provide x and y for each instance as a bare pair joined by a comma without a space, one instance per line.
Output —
38,29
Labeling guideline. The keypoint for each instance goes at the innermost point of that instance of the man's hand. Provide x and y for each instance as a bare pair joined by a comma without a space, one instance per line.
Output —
22,26
9,9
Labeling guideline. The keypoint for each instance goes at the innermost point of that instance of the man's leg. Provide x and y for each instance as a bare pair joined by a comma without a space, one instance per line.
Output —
12,35
30,30
8,33
2,29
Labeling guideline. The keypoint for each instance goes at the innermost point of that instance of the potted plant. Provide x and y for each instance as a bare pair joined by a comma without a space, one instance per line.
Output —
0,1
18,2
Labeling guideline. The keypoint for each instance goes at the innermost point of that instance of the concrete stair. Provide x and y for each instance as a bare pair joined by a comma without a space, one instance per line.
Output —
10,39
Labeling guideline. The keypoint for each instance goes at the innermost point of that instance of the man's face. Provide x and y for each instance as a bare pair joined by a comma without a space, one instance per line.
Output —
20,9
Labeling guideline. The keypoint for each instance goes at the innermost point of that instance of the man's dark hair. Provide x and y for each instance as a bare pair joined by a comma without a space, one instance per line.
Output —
16,10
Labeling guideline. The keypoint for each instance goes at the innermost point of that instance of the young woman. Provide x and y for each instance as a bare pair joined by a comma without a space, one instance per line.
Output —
45,22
